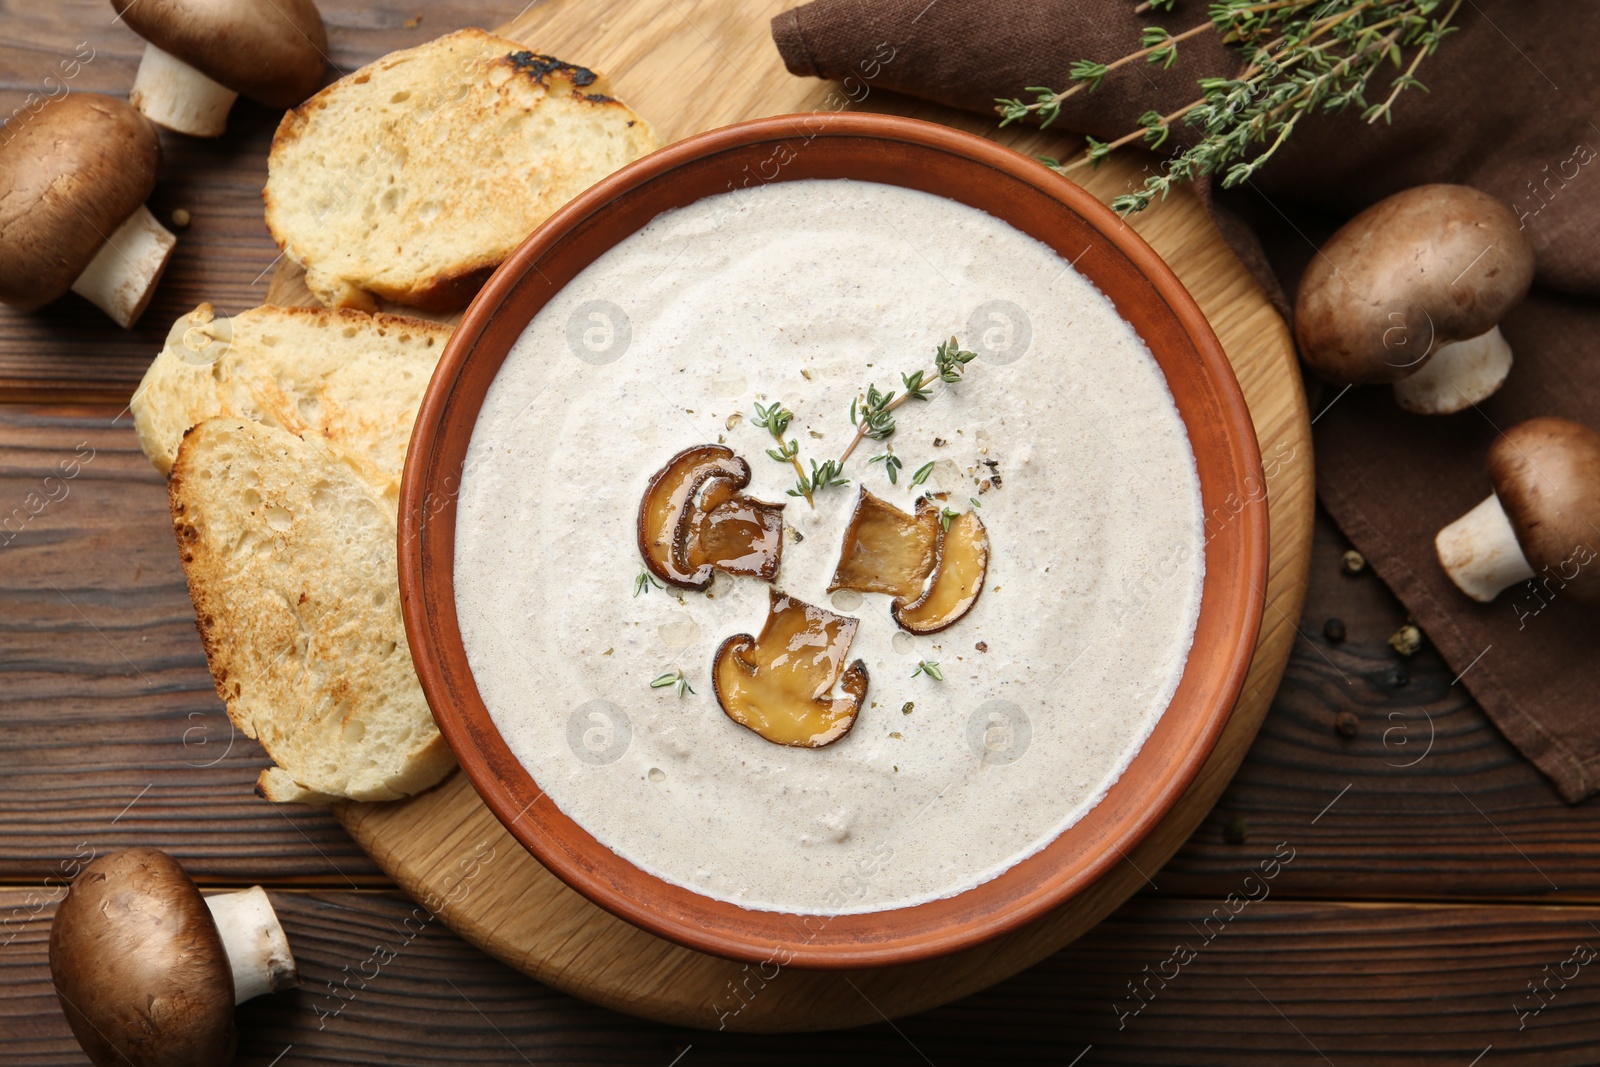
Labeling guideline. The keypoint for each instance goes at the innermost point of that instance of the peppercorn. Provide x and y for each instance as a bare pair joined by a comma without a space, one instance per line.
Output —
1407,640
1346,723
1333,630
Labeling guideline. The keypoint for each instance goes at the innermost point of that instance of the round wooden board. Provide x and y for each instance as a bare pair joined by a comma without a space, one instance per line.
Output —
694,65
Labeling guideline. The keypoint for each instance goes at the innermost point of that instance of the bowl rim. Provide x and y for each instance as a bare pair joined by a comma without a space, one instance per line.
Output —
432,480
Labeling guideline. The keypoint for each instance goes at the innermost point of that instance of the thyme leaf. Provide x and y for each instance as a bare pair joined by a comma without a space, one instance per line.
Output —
673,677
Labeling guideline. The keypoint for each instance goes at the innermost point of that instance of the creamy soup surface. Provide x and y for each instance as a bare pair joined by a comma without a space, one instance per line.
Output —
806,292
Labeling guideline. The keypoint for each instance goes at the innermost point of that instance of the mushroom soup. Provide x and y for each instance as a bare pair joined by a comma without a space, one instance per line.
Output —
1031,555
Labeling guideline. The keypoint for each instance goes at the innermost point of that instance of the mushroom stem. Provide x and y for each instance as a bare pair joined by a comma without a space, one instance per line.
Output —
1479,552
121,277
258,951
173,94
1457,376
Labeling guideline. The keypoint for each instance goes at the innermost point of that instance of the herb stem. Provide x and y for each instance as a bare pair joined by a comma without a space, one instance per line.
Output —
861,430
1384,109
1166,42
949,366
1137,135
794,460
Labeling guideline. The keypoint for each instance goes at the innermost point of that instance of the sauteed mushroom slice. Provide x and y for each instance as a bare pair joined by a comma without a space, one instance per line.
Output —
665,510
730,532
887,551
779,684
957,580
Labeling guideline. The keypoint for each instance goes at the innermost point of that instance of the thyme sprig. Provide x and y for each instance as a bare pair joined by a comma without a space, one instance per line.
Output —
930,668
1303,57
775,419
872,413
644,582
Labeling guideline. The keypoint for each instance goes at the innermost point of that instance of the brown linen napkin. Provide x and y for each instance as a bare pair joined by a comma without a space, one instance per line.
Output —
1512,109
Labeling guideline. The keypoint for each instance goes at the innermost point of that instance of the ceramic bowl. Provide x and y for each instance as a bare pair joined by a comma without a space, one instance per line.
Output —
962,167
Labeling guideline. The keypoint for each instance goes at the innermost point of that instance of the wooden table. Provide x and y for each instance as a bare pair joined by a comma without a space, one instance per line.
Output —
1435,878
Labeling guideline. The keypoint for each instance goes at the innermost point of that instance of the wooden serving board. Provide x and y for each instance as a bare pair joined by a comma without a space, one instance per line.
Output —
692,65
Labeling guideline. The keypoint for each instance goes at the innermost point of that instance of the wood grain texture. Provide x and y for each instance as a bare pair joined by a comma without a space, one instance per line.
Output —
113,735
526,917
1279,983
1433,802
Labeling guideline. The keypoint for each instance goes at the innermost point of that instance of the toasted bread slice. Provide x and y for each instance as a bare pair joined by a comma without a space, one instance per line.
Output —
414,177
352,379
290,557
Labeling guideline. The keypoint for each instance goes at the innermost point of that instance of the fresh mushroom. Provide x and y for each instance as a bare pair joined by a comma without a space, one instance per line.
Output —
1542,518
201,55
148,971
72,189
1412,291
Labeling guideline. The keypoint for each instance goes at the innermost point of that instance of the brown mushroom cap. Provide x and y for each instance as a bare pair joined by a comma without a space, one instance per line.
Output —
1546,472
74,173
273,51
1423,268
139,966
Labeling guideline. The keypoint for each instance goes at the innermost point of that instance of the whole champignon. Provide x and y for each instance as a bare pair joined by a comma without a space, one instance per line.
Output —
72,189
1412,291
202,54
1542,520
148,971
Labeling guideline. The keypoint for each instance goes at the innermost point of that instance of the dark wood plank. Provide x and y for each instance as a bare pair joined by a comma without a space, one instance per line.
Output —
70,351
1438,804
1279,983
113,734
